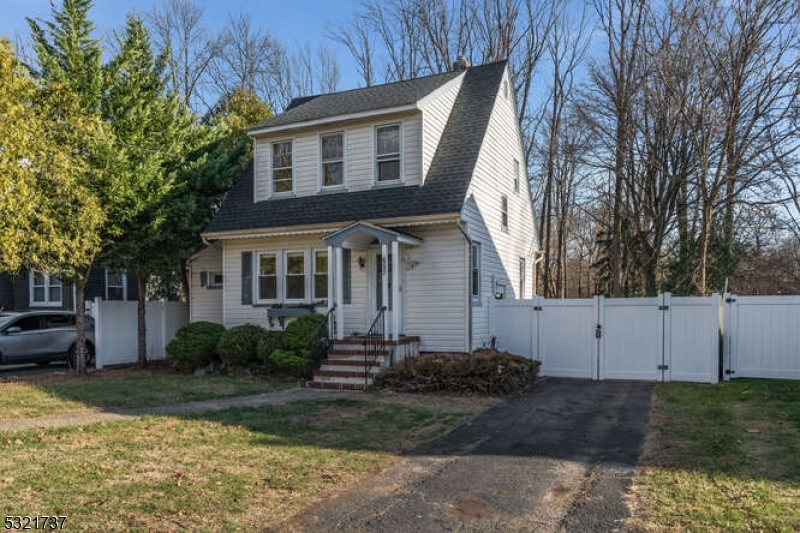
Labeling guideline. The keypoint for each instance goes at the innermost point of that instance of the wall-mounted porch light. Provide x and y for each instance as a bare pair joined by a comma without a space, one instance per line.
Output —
361,262
410,263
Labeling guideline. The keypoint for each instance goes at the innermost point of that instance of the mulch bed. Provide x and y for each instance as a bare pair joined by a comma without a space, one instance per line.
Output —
484,371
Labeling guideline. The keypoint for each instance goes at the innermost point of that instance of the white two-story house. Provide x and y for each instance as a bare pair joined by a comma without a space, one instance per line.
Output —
410,195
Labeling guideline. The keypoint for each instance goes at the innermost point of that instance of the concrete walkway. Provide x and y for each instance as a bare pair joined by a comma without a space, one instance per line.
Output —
108,415
558,459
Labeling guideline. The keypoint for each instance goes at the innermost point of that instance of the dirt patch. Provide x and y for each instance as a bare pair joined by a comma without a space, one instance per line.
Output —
471,509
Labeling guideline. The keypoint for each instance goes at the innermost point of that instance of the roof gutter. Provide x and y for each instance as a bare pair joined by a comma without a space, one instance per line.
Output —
255,132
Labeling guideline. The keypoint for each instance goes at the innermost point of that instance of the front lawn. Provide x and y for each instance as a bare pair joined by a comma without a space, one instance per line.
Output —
121,389
722,458
243,469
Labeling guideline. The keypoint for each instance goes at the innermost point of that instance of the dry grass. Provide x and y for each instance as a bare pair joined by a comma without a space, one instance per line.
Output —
54,394
235,470
721,458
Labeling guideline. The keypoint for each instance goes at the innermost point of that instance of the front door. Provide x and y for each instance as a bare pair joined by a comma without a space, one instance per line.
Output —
376,289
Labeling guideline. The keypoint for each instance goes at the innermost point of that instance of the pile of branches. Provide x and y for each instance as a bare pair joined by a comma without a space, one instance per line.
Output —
484,371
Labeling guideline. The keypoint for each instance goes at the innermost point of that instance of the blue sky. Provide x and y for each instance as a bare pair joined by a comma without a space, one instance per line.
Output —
291,21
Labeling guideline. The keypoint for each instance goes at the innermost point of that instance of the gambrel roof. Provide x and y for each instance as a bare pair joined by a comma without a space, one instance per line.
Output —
446,184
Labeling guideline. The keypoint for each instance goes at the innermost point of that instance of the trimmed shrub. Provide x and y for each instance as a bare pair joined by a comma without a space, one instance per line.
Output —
484,371
238,345
294,353
194,346
267,344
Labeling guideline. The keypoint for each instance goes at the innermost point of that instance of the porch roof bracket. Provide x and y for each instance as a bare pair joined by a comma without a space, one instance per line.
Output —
383,235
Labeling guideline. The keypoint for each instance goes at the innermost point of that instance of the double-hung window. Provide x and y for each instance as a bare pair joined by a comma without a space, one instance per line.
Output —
115,285
387,153
516,176
268,276
522,277
332,149
282,167
45,289
295,275
320,274
475,265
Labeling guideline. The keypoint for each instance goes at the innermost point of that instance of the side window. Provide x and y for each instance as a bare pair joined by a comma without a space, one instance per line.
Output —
282,167
476,273
347,276
387,152
59,321
29,323
504,213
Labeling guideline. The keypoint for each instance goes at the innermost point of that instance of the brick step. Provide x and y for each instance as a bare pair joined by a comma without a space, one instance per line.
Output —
340,351
339,378
334,386
349,362
339,373
356,358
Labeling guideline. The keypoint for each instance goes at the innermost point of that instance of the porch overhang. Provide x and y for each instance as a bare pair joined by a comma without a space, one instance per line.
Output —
362,234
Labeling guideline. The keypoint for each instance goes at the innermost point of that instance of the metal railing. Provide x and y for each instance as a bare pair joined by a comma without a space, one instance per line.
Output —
374,342
320,341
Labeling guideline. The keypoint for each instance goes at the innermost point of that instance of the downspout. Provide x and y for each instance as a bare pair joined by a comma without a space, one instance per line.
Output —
463,229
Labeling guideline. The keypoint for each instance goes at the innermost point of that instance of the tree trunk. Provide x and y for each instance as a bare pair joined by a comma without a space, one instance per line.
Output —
80,331
185,284
702,262
141,333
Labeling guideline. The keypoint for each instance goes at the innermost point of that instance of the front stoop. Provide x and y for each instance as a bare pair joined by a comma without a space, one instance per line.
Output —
345,369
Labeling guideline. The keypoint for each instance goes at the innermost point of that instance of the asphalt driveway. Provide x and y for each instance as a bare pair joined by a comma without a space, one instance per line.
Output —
557,459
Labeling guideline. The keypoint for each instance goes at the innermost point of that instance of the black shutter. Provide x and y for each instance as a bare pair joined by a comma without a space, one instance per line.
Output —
347,297
247,278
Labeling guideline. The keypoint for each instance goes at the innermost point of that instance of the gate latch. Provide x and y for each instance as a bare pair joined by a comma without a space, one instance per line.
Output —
663,308
598,333
663,367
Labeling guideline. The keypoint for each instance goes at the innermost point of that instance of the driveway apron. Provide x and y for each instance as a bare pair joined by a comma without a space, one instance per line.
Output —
557,459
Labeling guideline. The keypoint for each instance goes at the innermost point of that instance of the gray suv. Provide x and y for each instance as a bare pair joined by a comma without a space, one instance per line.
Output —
41,337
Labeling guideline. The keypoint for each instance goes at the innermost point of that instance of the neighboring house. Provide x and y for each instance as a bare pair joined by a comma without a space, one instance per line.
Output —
426,173
35,290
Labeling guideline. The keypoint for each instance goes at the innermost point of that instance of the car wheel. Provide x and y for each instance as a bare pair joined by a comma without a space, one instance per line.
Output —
88,352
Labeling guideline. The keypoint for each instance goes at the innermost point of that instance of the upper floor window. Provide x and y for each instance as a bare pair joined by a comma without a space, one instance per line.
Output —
387,153
45,289
516,176
332,149
282,167
504,213
116,283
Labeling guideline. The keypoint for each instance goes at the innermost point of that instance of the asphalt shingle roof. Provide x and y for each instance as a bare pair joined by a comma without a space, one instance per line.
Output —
385,96
443,192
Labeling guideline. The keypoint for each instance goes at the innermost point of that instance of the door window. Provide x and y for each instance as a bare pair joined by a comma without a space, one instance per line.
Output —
379,282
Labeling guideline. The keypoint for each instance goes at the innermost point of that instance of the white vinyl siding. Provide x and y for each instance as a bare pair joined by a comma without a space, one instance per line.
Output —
206,303
359,157
436,291
501,250
435,114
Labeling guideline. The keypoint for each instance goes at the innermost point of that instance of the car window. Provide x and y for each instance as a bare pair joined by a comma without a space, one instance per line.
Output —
5,319
28,323
59,321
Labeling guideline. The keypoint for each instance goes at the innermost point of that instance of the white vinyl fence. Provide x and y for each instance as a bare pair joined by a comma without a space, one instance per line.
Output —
762,337
116,329
664,338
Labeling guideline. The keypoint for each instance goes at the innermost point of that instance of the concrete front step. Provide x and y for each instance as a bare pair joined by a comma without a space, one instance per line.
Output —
341,351
335,372
350,362
334,386
381,359
339,379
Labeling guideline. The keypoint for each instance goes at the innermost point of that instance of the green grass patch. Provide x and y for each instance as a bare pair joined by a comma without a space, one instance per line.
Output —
243,469
722,458
129,389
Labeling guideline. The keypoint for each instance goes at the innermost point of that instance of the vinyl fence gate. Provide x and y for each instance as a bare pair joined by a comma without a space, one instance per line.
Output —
663,338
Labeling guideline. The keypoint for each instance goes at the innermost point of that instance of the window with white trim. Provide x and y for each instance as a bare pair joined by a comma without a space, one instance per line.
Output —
475,265
45,289
116,283
387,153
267,276
332,151
282,167
215,280
522,277
295,275
516,175
320,274
504,213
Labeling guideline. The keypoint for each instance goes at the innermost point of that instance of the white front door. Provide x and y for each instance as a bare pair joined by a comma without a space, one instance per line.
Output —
375,283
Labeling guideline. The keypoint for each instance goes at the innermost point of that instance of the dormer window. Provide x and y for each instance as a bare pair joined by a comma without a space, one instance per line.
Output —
387,153
282,167
332,149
